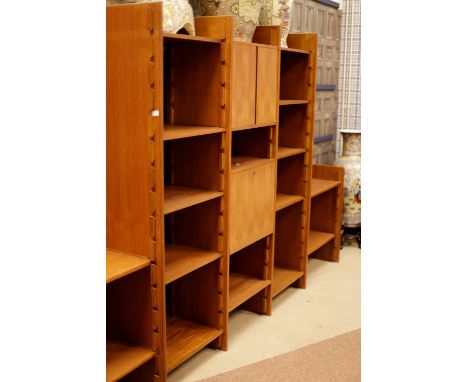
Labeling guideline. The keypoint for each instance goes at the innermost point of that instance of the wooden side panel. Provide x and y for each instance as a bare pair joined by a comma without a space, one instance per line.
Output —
302,41
268,35
267,85
252,198
129,105
244,69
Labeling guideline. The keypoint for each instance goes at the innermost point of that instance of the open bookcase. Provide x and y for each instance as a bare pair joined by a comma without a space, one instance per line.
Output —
167,154
326,211
209,189
294,159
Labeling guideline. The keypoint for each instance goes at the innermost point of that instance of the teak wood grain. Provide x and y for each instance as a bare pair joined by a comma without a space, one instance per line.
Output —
127,156
267,85
172,132
178,197
294,166
134,175
181,260
121,359
252,204
327,209
244,71
243,287
185,338
317,240
120,264
282,278
286,200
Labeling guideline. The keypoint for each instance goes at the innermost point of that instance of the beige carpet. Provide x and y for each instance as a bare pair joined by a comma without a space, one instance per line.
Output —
334,360
329,307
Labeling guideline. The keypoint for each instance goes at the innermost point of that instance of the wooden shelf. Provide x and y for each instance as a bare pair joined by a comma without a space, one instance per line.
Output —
286,200
181,260
284,152
292,50
121,359
184,339
178,197
293,101
317,240
172,132
186,37
282,278
319,186
120,264
242,163
240,128
242,287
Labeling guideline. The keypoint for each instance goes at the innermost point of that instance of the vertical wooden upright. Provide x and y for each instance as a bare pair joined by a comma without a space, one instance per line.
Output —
133,197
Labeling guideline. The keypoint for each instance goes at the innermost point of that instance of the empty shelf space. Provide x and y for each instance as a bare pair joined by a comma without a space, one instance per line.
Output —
178,197
181,260
121,359
317,240
241,163
319,186
172,132
184,339
242,287
293,101
292,50
282,278
120,264
186,37
286,200
284,152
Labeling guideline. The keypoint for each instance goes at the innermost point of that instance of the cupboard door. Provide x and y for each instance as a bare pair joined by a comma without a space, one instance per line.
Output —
267,85
244,70
251,209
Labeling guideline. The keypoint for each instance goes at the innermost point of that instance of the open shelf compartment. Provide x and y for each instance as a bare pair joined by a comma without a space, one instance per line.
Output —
294,71
192,309
251,148
249,277
191,239
191,171
129,333
192,97
289,247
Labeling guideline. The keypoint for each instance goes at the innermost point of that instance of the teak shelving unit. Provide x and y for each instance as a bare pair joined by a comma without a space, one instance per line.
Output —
209,152
294,160
326,210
